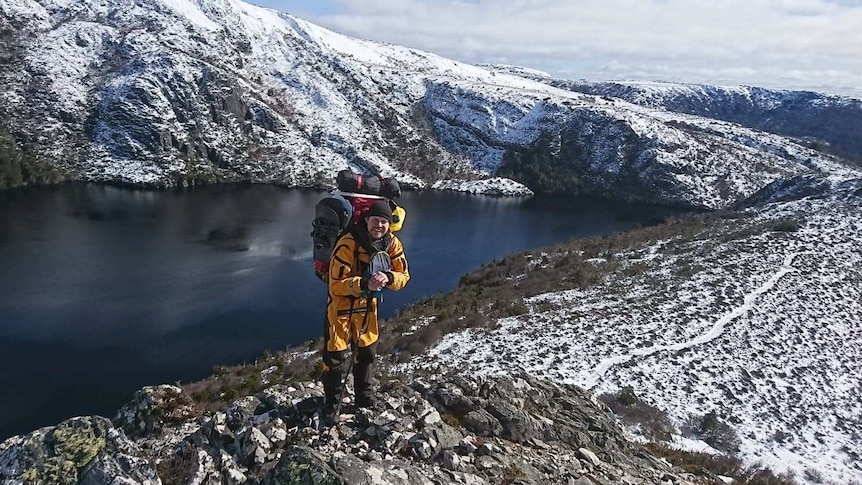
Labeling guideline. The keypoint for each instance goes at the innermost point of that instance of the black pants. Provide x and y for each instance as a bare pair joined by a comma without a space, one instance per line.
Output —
337,363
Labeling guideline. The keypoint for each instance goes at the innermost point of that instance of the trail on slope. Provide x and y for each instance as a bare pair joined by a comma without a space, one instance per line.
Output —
716,330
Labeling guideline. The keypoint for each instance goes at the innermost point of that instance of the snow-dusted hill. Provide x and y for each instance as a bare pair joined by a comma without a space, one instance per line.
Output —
184,91
756,318
829,123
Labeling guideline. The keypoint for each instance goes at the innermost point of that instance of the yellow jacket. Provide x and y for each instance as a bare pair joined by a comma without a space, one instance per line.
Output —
346,302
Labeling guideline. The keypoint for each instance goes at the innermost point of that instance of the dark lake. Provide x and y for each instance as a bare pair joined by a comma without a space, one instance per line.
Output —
104,290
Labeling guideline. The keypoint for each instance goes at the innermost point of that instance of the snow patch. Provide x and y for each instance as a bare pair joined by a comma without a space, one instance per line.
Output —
491,186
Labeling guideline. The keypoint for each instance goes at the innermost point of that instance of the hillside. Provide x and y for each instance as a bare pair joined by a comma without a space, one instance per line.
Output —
755,317
734,334
827,123
178,92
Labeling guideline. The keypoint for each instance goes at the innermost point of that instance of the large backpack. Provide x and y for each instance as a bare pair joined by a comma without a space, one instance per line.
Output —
335,213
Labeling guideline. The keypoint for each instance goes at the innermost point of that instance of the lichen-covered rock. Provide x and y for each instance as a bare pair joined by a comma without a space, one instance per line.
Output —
449,398
444,435
86,451
386,472
301,465
241,410
121,462
254,447
55,455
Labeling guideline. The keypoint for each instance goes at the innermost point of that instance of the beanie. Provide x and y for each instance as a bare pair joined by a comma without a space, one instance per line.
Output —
379,208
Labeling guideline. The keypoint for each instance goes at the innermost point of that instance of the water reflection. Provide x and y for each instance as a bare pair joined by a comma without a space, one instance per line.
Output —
103,290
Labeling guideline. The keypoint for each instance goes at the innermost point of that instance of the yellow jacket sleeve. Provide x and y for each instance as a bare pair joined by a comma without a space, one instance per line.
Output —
399,272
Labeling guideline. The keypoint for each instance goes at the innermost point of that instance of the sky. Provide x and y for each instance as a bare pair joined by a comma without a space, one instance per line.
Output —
787,44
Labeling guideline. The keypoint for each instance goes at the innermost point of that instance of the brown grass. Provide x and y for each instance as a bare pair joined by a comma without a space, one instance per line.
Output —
227,384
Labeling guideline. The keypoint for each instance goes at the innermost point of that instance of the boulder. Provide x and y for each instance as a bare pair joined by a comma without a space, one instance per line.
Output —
153,408
517,425
85,451
482,423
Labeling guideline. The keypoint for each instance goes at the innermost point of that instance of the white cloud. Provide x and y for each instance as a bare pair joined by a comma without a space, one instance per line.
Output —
778,43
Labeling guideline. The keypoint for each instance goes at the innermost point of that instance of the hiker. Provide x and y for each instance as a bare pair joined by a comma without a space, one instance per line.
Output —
350,306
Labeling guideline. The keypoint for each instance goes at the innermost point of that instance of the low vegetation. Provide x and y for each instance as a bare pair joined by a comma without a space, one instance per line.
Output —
657,427
721,465
229,383
713,431
20,167
499,288
544,168
632,411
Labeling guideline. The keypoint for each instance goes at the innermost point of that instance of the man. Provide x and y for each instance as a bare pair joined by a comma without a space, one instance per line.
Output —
351,305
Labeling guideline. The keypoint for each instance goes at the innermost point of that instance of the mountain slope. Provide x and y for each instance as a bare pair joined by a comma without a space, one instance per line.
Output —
827,123
195,91
755,318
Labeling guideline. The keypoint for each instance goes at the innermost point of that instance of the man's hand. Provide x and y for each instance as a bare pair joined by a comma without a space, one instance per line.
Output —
377,281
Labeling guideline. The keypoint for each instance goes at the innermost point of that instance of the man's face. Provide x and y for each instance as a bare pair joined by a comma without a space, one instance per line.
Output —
377,226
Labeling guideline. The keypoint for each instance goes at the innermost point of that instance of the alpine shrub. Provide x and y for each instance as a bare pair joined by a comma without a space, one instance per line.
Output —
786,225
715,432
632,411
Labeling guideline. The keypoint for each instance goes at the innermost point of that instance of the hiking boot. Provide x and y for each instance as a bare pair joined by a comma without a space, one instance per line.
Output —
367,402
330,416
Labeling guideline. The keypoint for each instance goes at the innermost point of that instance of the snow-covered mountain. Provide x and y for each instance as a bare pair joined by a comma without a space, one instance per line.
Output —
827,123
170,92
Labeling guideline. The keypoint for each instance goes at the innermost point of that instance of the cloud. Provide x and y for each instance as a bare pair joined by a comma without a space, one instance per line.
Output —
738,41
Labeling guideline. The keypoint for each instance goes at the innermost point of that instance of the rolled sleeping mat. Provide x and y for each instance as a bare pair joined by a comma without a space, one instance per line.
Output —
347,181
390,189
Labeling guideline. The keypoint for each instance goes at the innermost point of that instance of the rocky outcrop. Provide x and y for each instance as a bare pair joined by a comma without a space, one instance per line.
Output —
445,431
83,451
153,408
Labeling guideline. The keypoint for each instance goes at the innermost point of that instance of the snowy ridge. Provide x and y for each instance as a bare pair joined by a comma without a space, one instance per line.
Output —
762,326
181,92
820,120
